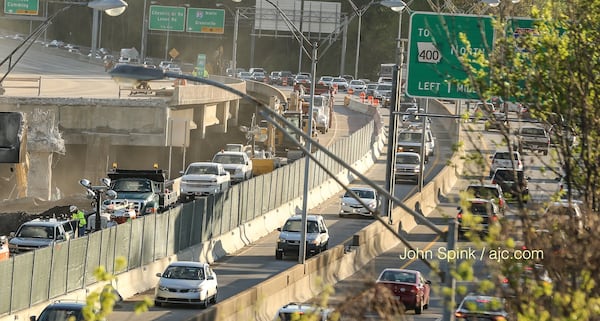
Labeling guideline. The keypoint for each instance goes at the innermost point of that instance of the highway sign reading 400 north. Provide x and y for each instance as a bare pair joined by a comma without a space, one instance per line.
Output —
434,67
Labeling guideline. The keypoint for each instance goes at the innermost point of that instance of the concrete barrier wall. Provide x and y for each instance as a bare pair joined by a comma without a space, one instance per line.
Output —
298,283
301,283
143,278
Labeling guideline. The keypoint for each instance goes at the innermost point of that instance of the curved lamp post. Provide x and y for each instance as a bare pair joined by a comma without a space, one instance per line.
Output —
110,7
136,73
96,192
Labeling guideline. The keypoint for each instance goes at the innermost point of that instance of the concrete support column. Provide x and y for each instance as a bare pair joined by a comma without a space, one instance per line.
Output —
39,177
199,115
234,110
96,153
223,116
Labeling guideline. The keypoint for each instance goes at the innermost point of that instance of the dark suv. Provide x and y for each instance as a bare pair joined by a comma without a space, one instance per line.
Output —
505,177
61,311
485,210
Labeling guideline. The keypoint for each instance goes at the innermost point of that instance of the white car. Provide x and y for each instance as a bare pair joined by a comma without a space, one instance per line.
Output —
203,178
326,80
503,160
238,164
186,282
408,166
350,205
358,85
341,83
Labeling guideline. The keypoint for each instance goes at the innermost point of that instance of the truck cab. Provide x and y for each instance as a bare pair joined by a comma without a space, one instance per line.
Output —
40,233
238,164
148,190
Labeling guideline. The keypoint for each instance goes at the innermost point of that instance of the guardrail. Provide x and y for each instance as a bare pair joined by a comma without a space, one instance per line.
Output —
16,82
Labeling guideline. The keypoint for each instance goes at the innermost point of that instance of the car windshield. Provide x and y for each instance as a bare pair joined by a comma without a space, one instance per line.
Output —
384,87
38,232
132,186
562,210
483,304
507,175
229,159
296,226
202,169
184,273
61,314
533,131
479,208
399,276
409,137
505,155
407,159
361,194
483,191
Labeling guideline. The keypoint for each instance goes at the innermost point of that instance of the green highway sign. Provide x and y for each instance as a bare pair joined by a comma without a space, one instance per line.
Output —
434,68
206,20
25,7
167,18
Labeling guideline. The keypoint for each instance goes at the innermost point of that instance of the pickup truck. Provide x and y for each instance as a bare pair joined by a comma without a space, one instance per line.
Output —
534,139
40,233
203,178
410,141
238,164
148,190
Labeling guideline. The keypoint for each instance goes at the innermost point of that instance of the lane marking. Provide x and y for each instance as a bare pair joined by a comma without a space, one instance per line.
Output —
411,261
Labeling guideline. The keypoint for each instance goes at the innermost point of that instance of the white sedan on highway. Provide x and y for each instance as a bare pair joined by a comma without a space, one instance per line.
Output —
187,282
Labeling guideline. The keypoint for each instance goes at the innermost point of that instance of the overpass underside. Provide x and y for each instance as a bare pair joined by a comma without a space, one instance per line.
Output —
191,125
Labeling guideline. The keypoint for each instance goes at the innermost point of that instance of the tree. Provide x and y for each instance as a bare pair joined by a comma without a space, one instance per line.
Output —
553,70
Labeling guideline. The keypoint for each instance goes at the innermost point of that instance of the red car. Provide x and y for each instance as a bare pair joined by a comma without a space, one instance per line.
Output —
408,286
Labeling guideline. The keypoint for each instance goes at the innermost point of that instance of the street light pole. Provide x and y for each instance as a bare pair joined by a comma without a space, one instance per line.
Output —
390,178
390,181
144,33
359,13
95,17
236,25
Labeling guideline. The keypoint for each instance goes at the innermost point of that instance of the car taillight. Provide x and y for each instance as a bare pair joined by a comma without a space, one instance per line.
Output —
494,218
493,181
413,289
505,280
459,314
501,202
499,318
459,216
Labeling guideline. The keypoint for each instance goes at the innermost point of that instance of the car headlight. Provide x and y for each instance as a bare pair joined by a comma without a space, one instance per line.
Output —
372,205
200,289
416,169
280,240
238,170
163,288
313,242
344,203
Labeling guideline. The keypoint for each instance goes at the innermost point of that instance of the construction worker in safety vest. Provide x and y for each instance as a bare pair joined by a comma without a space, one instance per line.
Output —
78,215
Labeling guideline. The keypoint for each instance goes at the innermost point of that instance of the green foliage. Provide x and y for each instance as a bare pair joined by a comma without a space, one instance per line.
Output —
99,305
554,72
